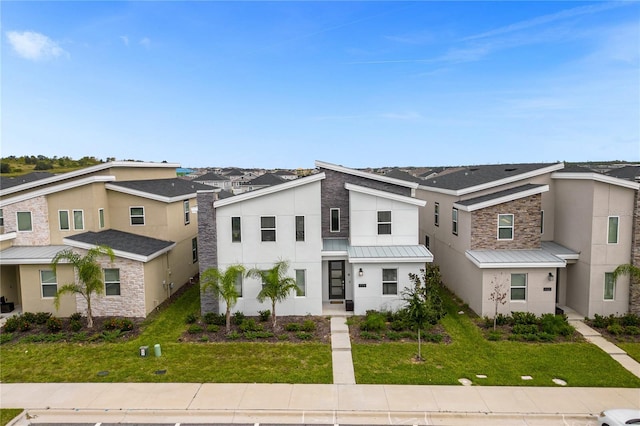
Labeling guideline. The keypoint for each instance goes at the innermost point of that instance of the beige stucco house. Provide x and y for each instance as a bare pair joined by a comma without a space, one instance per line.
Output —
141,210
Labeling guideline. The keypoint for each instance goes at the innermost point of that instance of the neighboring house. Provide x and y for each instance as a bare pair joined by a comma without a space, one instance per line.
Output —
351,238
215,180
550,236
141,210
286,174
264,181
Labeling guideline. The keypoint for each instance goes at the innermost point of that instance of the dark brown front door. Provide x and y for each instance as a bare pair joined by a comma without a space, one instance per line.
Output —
336,279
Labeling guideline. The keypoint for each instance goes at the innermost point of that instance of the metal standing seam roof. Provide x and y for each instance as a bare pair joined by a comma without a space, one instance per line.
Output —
559,250
515,259
408,253
30,255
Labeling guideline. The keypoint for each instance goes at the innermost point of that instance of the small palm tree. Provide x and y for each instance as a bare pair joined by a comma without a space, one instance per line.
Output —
223,284
89,275
276,286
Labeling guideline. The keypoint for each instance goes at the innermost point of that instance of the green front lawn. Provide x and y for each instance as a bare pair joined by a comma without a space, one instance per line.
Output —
633,349
8,414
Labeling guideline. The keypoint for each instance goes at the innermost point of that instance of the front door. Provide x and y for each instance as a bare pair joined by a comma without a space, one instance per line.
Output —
336,279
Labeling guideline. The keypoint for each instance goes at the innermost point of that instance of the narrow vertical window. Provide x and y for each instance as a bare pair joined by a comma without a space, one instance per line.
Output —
436,214
236,232
389,281
335,220
49,283
186,212
101,218
112,282
454,221
1,218
427,242
137,215
238,285
609,286
384,222
301,282
194,250
78,219
63,220
612,234
268,228
518,286
505,227
542,221
299,228
24,221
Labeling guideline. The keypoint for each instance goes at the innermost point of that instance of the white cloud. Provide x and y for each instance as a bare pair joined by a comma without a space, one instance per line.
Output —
146,42
34,46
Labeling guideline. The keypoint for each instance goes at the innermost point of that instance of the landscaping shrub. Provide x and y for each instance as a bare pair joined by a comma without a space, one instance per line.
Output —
292,326
615,329
5,337
546,337
283,337
373,321
555,324
234,335
80,337
502,319
630,319
250,325
394,335
303,335
632,330
525,329
494,335
204,338
213,318
370,335
194,329
12,324
29,317
600,321
432,337
75,325
213,328
191,318
120,324
108,335
42,317
264,315
525,318
54,324
308,326
76,316
238,317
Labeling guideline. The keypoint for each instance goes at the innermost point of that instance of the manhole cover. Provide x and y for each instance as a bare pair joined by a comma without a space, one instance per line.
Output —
161,371
103,373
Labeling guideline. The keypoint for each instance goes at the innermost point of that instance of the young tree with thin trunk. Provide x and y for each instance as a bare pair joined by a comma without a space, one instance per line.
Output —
498,295
276,285
223,284
90,275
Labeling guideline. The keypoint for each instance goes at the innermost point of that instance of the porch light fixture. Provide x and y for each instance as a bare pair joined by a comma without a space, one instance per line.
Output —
360,272
550,277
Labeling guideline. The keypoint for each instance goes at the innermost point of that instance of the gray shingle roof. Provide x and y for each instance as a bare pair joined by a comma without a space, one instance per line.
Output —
173,187
401,174
499,194
267,179
477,175
210,177
631,173
123,241
9,182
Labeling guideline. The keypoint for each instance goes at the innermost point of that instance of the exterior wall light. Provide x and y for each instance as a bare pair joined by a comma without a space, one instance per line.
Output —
550,277
360,272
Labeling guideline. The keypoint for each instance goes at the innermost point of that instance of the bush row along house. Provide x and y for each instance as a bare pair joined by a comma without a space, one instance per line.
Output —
141,210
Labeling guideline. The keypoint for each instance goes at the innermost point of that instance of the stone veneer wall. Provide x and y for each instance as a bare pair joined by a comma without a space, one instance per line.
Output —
334,195
526,230
634,288
207,246
39,236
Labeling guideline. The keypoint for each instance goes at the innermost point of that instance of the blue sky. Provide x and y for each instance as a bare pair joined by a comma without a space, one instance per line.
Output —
281,84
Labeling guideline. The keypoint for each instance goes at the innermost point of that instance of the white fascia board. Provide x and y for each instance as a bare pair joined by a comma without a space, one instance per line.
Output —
29,261
470,190
366,175
598,178
269,190
334,253
426,259
384,194
149,195
87,170
500,200
120,253
508,265
57,188
8,236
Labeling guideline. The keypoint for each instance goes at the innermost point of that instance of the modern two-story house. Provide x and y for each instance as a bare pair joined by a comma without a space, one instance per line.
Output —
141,210
350,237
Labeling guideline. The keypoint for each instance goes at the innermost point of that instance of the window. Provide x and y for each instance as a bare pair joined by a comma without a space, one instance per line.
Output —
384,223
49,283
112,282
194,250
505,227
389,281
427,241
454,221
1,218
542,221
63,219
239,285
436,214
24,221
101,218
301,282
137,215
609,286
612,235
78,219
518,286
299,228
186,212
268,228
236,233
335,220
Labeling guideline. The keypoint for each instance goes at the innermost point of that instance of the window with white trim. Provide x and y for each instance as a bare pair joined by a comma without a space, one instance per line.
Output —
384,222
436,214
612,231
101,218
24,221
236,230
518,287
49,283
301,282
187,219
454,221
335,220
137,215
112,282
299,228
63,220
505,227
268,228
389,281
78,219
609,286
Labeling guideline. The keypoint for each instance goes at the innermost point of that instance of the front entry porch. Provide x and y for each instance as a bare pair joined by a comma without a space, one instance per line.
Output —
336,308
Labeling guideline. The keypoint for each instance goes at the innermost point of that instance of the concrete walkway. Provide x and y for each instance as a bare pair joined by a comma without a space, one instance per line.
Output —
342,361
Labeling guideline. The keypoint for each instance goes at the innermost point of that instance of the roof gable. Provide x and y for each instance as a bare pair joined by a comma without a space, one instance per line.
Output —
124,244
166,190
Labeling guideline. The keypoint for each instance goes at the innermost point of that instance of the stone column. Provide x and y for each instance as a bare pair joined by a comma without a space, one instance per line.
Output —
207,245
634,287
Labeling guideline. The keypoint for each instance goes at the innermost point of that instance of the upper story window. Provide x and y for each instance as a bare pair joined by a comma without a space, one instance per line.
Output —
268,228
612,232
137,215
101,218
78,219
194,250
384,222
112,282
1,218
505,227
427,241
299,228
518,287
238,285
454,221
24,221
236,231
542,221
63,220
335,220
301,282
389,281
186,212
49,283
436,214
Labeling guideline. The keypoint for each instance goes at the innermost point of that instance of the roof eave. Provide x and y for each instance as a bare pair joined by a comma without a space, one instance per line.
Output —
598,178
384,194
346,170
121,253
501,200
